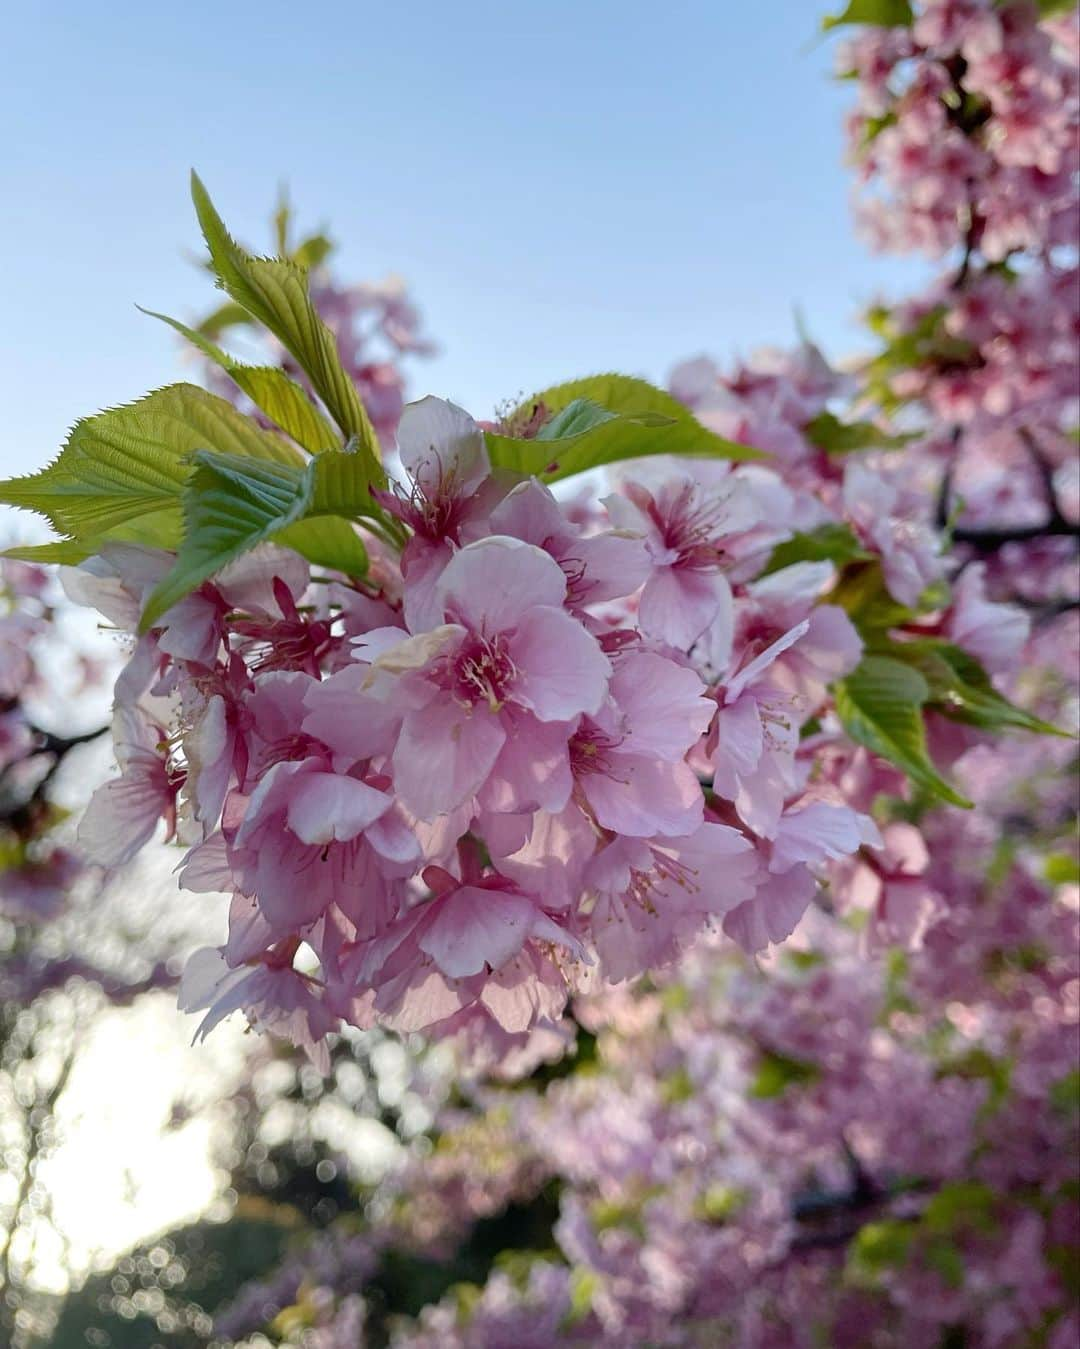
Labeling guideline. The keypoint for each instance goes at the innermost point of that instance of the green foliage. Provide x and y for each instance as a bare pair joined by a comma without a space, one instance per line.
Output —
270,389
227,315
777,1072
875,126
1065,1093
601,420
274,291
960,688
978,1065
877,1249
133,461
1062,869
232,503
828,543
719,1204
63,552
880,13
830,434
584,1286
880,704
905,349
863,595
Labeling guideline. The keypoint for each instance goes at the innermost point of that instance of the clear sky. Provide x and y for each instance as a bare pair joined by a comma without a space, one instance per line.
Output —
567,186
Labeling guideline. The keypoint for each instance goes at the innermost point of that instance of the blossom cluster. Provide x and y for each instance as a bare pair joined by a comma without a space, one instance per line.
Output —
967,135
967,121
544,749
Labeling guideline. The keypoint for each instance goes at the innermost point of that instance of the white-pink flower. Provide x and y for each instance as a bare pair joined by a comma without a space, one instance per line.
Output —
685,527
123,813
492,691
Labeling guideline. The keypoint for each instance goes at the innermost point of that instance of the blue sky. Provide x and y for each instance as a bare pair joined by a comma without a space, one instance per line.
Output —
566,186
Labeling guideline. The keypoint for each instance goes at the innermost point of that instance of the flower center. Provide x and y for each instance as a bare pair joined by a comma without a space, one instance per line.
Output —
481,671
590,750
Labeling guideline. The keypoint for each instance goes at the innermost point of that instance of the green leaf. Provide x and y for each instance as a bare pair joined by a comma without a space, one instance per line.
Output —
828,543
328,542
131,461
979,1065
863,595
833,436
314,250
877,1249
1049,9
274,291
880,704
874,126
602,420
338,484
231,504
584,1284
66,552
960,688
962,1205
777,1072
945,1259
1061,869
1065,1093
228,315
269,388
881,13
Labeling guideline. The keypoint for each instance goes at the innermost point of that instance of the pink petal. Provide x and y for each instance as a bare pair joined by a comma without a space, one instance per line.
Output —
761,663
678,604
444,755
121,818
439,443
739,745
422,565
490,584
817,832
533,768
328,808
774,912
349,720
474,929
662,702
562,671
642,797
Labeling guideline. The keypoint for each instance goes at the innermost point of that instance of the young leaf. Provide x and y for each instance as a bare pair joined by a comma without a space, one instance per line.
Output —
833,436
315,249
270,389
233,503
828,543
274,291
960,688
66,552
880,13
131,461
863,595
880,704
337,484
602,420
230,505
228,315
